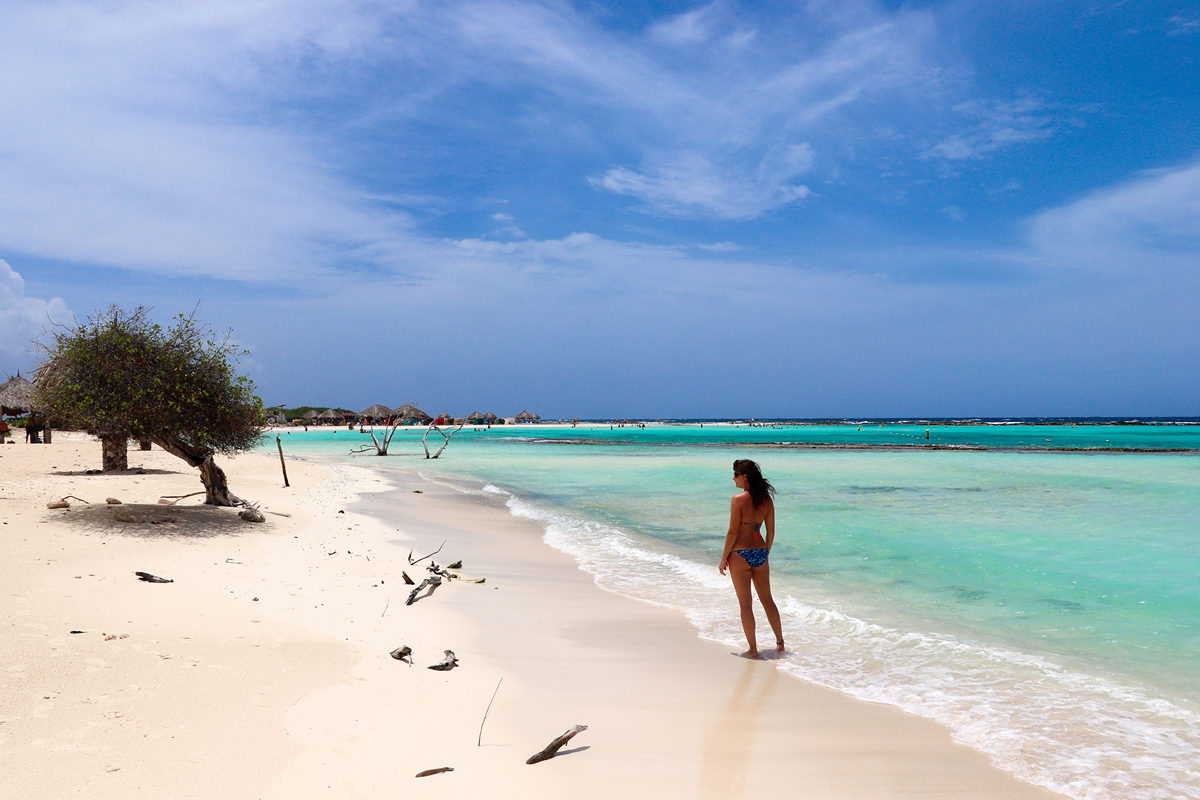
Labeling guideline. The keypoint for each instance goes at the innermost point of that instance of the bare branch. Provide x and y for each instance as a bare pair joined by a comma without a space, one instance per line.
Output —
553,747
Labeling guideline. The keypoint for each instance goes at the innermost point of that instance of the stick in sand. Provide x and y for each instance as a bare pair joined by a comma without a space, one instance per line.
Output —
479,741
279,444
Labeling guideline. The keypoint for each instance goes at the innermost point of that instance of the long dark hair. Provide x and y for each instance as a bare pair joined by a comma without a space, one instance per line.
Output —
758,486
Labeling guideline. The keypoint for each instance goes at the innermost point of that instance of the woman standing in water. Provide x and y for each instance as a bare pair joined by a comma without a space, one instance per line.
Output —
745,554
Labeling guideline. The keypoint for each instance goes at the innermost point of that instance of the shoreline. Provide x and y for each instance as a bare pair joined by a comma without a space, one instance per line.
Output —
268,656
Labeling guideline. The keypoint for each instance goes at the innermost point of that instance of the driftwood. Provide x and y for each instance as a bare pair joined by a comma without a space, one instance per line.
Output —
148,578
447,663
403,654
426,772
432,582
62,502
380,445
172,499
407,579
553,747
422,558
445,435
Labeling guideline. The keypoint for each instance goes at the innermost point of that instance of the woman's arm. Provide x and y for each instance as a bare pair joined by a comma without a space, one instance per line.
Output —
735,521
770,520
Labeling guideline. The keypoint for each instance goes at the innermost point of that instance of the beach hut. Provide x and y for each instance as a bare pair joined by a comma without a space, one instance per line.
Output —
445,418
329,415
376,412
475,418
16,396
411,415
525,416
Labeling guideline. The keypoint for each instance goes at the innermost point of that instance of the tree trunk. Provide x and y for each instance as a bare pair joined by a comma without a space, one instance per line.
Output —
216,487
115,453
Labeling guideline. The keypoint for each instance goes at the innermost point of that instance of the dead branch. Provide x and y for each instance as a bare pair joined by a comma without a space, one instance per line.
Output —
439,770
422,558
73,497
148,578
445,435
554,746
432,583
172,499
447,663
407,579
402,654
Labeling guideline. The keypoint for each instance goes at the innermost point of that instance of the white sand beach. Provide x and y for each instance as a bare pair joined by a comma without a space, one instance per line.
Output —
263,669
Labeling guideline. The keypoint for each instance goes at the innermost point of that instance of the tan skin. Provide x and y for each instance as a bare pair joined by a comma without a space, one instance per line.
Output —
743,537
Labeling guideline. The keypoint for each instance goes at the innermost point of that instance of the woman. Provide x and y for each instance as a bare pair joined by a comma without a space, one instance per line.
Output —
745,554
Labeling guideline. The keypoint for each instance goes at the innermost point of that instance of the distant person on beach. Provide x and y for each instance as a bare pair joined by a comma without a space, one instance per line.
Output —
746,551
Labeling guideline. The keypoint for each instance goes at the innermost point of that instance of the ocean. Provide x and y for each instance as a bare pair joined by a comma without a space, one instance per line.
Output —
1033,585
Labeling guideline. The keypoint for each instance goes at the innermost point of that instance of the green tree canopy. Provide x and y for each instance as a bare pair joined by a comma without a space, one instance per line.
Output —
121,376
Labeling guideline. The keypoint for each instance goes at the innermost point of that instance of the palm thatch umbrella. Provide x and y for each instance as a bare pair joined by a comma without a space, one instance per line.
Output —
376,411
312,414
490,417
410,413
330,414
16,396
525,416
475,416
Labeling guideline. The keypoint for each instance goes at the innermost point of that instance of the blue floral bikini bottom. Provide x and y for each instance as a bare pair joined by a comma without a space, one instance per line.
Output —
755,558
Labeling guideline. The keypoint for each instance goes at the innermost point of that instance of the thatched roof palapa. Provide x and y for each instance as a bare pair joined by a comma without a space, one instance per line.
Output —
329,413
410,412
377,410
16,395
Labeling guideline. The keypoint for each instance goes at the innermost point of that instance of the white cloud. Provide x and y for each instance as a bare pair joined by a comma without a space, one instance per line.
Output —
138,136
691,27
1183,24
23,320
1146,226
687,183
994,126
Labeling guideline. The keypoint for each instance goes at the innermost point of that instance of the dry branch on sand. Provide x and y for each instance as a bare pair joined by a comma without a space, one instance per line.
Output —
549,750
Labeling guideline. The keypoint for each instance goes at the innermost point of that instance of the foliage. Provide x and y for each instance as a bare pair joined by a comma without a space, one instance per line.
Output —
298,412
122,375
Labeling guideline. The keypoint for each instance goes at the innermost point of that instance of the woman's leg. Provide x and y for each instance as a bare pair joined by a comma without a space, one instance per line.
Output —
762,584
740,571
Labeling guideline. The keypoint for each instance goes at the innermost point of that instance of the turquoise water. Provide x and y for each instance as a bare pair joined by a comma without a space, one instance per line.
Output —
1041,603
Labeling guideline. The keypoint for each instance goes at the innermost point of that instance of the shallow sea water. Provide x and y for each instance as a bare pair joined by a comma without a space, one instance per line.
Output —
1040,603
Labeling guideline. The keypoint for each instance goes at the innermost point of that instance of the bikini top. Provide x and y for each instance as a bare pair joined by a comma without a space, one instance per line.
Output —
757,528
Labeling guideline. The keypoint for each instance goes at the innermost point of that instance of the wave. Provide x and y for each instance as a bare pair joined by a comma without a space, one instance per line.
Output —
1077,734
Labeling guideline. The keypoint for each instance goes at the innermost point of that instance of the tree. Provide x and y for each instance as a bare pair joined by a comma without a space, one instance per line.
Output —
120,376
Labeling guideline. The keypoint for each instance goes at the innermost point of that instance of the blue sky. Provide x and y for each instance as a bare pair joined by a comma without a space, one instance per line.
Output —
623,209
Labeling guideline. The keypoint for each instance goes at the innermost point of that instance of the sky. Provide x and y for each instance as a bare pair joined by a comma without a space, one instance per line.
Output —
833,208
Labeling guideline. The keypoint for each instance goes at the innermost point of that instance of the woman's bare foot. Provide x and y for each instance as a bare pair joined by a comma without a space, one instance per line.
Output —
749,654
779,646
